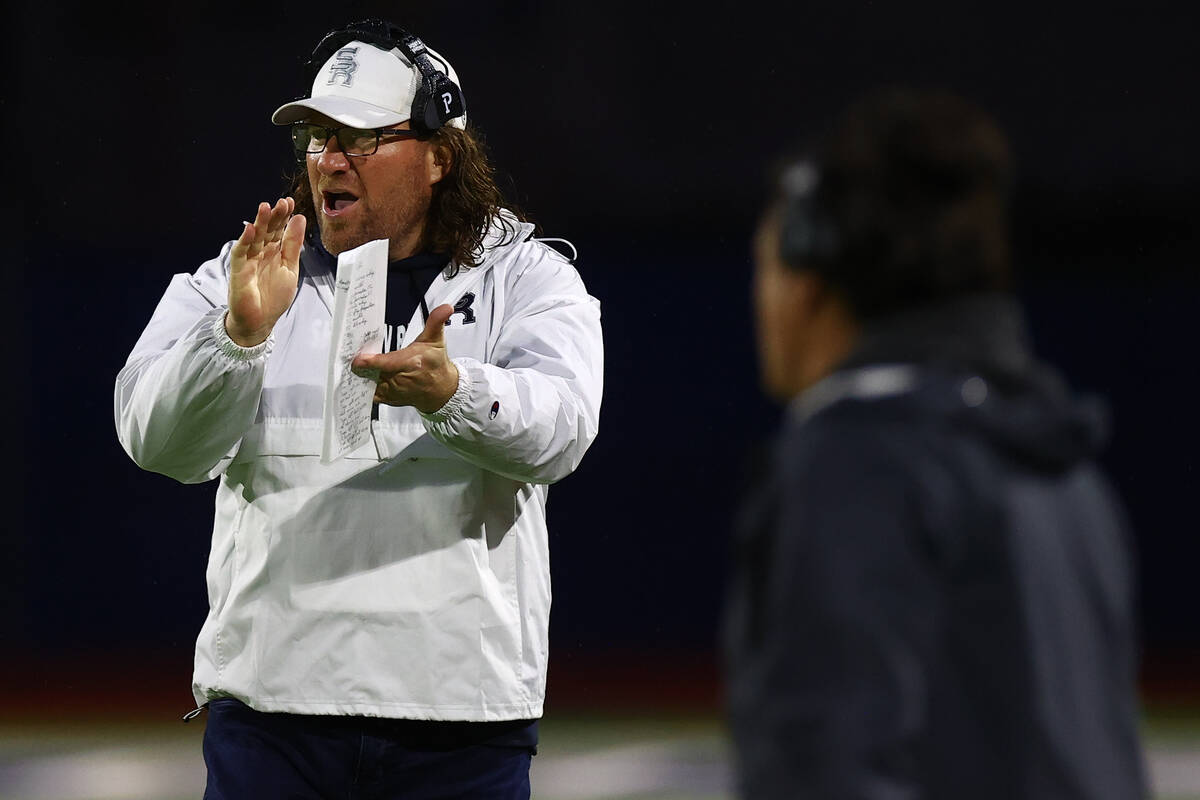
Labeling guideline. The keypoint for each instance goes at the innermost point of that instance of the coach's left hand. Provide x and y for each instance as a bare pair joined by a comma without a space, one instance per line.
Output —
420,375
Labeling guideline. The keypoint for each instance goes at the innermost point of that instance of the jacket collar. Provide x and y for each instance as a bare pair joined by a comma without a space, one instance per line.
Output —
983,332
505,232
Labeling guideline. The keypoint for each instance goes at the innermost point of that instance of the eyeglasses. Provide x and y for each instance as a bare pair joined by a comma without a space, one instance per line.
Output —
310,139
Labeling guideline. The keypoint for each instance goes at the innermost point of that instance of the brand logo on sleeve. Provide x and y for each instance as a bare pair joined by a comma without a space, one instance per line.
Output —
343,66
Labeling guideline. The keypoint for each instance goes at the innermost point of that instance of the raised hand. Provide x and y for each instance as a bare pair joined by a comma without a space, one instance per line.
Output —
420,375
264,270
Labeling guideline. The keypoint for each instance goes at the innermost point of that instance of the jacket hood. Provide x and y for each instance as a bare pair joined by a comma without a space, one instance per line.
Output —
975,368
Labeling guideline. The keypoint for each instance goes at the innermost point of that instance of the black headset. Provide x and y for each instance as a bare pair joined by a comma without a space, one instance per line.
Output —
438,99
808,235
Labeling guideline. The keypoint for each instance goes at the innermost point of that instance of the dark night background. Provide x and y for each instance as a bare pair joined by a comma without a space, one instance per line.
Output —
139,138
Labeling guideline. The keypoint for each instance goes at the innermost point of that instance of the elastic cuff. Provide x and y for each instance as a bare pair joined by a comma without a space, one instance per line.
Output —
457,400
232,349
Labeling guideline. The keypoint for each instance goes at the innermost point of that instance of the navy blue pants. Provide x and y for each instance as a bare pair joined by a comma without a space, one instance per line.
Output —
251,755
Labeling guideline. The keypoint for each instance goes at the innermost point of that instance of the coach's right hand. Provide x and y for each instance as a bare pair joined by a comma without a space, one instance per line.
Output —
264,270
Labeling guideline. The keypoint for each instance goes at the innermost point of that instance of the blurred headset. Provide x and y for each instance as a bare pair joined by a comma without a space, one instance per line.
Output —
868,216
808,235
430,111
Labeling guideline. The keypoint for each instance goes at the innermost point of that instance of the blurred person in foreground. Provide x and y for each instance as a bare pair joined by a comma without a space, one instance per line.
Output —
934,595
378,625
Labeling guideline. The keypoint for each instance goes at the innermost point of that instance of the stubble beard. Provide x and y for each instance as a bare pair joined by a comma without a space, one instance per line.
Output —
338,236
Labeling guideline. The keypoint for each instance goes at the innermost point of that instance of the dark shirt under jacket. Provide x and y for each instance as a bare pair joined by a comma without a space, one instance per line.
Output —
408,280
933,595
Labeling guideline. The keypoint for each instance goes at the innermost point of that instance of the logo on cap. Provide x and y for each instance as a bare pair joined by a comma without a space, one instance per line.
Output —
343,66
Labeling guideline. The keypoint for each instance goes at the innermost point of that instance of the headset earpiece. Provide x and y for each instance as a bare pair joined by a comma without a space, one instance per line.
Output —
439,99
808,237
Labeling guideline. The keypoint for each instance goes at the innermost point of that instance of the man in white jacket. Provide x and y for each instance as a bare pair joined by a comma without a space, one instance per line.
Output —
377,626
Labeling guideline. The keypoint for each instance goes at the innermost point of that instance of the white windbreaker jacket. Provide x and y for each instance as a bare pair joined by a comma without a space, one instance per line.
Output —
410,579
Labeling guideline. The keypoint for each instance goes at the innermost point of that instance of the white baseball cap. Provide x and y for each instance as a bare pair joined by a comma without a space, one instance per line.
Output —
364,86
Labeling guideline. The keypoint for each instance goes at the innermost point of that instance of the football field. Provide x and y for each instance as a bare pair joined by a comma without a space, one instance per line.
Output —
583,756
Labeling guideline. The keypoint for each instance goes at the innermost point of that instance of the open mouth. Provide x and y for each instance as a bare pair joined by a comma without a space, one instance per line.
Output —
337,203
